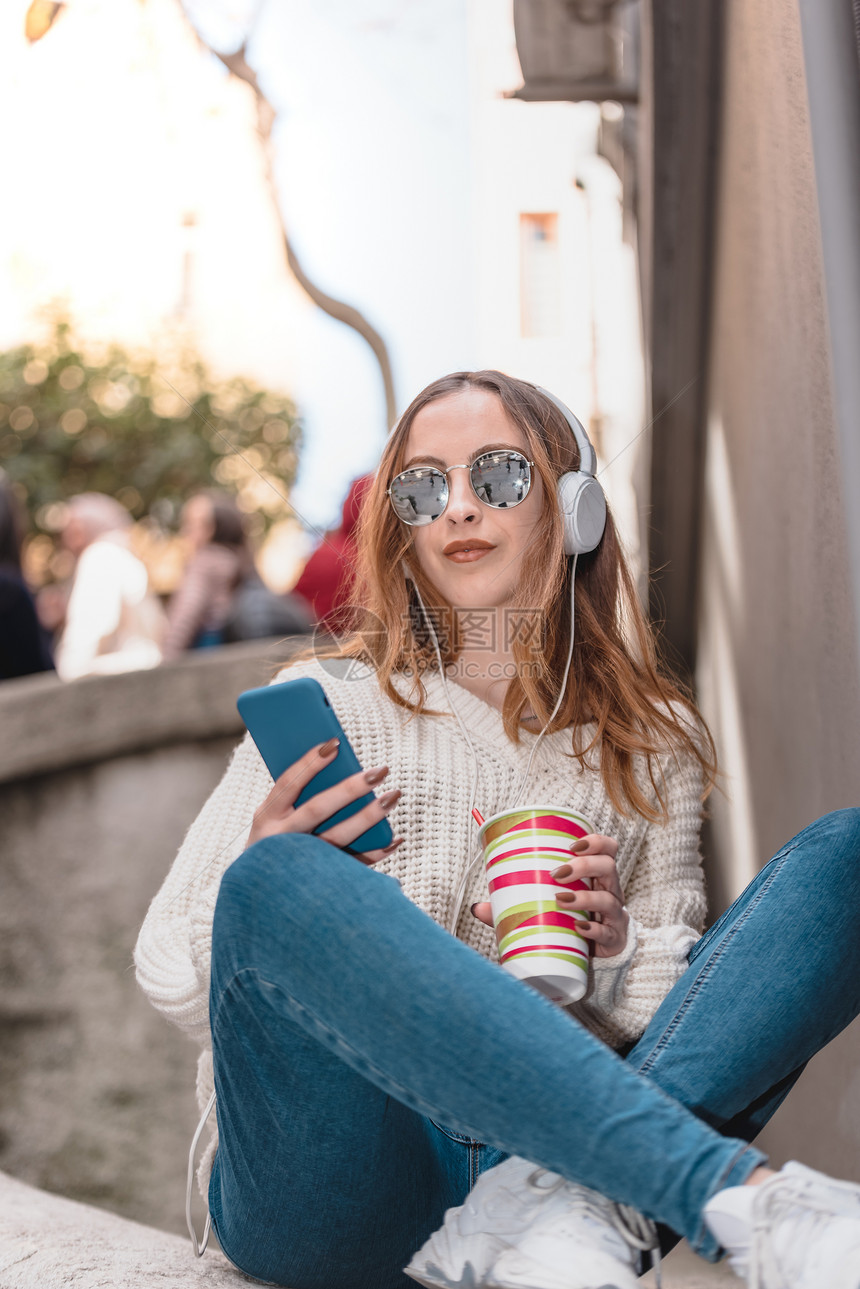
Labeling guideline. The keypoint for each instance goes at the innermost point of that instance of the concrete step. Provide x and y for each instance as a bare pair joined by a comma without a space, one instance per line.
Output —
47,1242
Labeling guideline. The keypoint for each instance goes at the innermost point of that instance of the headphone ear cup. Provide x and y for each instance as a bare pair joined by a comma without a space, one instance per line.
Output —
583,508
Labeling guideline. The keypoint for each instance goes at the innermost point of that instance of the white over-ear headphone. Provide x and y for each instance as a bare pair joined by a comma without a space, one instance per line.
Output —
580,496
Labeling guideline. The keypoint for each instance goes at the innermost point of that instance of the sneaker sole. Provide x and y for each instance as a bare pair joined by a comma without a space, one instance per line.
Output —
433,1277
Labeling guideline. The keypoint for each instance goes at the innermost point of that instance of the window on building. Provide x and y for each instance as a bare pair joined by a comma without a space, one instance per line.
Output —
540,276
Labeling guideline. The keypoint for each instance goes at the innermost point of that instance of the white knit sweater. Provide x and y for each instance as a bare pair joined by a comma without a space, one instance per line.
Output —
659,866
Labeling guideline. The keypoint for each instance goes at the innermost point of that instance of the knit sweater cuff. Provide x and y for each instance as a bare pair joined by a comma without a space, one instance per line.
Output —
609,974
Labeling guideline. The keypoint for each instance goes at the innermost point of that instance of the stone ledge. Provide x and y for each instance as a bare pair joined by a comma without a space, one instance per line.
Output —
47,1242
48,725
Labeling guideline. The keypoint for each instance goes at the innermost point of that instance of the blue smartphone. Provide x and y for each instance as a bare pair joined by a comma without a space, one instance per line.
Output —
285,721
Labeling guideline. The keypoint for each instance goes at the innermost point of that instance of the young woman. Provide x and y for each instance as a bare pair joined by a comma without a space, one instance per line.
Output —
374,1070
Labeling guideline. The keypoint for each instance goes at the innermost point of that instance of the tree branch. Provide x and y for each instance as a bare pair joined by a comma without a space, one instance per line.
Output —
238,66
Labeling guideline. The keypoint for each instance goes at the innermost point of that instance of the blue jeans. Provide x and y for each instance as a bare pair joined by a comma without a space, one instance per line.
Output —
362,1055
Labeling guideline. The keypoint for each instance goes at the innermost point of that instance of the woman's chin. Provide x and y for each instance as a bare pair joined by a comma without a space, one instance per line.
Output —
468,586
479,598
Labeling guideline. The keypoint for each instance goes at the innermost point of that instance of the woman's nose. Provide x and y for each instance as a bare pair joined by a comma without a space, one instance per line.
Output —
463,506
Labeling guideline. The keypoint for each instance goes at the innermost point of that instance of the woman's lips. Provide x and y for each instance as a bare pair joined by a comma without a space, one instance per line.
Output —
469,556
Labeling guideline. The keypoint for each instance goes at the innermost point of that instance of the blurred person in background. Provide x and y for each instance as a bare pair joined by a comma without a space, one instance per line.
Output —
222,598
113,621
327,579
213,529
24,647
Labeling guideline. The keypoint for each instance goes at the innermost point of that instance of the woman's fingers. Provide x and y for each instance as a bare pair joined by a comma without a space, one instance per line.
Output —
297,776
374,856
349,830
483,912
609,939
322,805
603,902
607,929
279,813
595,844
598,867
579,866
276,813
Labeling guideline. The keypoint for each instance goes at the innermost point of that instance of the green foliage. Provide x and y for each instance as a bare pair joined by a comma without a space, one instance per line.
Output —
147,431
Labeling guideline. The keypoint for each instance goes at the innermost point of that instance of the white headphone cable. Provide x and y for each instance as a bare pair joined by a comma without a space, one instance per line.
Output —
199,1249
563,686
452,927
477,858
478,854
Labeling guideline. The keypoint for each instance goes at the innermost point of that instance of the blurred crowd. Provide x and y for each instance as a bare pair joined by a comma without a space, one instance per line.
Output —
106,618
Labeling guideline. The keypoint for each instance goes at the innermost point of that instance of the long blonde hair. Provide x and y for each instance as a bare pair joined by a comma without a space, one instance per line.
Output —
615,682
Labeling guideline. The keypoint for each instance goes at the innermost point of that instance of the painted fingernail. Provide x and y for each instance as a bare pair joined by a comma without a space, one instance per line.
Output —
388,799
329,747
376,775
559,874
398,841
472,908
579,845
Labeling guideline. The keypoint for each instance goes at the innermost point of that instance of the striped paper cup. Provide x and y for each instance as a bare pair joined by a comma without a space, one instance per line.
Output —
538,941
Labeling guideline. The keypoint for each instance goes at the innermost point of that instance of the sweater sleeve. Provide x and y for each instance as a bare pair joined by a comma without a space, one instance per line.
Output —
173,951
665,897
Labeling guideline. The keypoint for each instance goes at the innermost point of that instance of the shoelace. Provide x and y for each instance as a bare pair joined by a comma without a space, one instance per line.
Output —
634,1227
774,1203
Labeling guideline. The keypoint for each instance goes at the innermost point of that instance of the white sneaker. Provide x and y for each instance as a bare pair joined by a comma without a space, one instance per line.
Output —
798,1230
522,1227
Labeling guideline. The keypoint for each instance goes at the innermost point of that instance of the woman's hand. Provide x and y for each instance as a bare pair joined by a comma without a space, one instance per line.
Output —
592,857
279,813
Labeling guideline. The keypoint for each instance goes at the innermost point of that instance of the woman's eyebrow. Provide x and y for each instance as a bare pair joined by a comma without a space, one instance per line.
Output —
424,459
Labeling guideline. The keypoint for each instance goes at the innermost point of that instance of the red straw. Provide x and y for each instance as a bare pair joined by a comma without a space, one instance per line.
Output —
477,816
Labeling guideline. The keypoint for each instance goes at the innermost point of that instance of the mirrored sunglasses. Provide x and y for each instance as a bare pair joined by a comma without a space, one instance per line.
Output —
499,479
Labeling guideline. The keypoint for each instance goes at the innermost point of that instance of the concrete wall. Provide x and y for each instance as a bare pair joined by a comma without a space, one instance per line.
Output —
778,664
98,782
